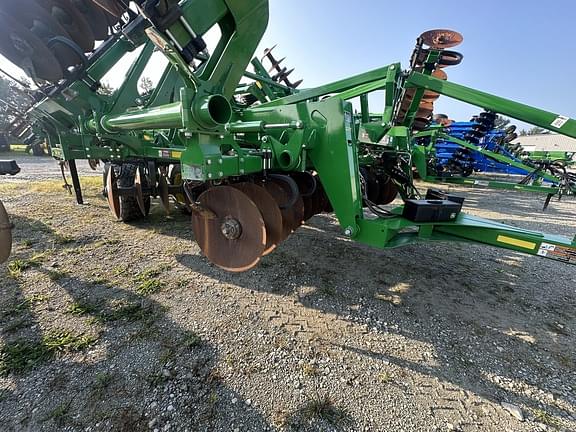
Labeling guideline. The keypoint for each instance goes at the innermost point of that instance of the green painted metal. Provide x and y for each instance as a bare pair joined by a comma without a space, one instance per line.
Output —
198,117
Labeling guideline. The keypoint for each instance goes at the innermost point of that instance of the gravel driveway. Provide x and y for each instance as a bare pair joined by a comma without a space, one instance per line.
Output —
113,327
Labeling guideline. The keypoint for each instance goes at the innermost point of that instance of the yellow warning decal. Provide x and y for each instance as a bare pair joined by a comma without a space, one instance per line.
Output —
515,242
176,154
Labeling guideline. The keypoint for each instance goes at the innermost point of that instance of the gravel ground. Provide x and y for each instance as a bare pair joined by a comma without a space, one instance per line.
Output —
113,327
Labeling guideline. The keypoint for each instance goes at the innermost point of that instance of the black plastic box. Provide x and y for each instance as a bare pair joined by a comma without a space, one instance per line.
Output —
436,194
431,210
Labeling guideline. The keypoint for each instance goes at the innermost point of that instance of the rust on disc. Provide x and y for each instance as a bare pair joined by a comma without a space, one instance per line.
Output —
441,38
292,216
388,192
138,192
440,74
268,209
164,195
112,193
236,238
70,18
22,47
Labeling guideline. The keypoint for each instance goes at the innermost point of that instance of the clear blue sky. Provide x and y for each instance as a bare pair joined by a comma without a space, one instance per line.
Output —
521,50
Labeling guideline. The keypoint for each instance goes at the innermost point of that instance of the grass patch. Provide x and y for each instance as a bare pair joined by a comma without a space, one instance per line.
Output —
26,243
191,340
149,286
322,407
60,414
384,377
147,280
543,417
21,355
18,266
56,275
80,308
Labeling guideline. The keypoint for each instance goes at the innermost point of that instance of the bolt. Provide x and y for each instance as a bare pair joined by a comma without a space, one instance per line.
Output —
220,161
231,228
221,174
209,162
241,171
348,232
209,175
242,160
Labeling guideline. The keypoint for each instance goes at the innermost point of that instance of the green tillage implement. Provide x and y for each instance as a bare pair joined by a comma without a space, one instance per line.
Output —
252,161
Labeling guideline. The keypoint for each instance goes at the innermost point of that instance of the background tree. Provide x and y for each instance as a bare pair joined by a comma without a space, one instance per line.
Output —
146,85
534,131
501,122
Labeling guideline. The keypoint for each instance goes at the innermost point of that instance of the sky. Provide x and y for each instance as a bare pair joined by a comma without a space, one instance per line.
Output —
519,50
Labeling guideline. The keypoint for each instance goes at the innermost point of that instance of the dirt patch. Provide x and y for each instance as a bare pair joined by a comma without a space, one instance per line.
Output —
127,327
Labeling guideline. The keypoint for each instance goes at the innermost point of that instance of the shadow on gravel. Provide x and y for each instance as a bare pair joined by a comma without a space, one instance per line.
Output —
140,370
486,316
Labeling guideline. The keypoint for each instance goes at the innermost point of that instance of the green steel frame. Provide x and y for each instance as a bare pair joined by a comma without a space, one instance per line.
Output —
193,119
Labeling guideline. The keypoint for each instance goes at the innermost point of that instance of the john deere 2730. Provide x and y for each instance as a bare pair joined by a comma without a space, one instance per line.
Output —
252,161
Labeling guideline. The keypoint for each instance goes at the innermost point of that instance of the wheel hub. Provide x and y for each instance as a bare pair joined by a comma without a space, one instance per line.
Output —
231,228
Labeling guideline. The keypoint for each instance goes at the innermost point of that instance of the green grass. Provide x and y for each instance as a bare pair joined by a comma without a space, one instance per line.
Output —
20,355
543,417
60,414
56,275
191,340
81,308
147,282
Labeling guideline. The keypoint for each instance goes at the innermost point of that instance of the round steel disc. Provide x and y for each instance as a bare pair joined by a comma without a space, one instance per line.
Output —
24,48
295,216
292,217
269,211
42,24
388,192
70,18
111,6
112,194
441,38
5,234
95,16
163,193
230,205
440,74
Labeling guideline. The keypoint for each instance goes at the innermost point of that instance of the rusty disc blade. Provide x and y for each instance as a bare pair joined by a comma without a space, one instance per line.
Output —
236,238
5,234
70,18
26,50
268,209
430,96
112,193
138,192
95,16
164,194
45,26
440,74
292,216
111,6
441,38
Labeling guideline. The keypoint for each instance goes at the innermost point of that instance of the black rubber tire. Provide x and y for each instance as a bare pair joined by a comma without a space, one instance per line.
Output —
37,150
125,174
4,145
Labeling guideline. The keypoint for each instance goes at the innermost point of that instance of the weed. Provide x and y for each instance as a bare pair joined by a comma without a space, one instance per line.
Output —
384,377
149,286
63,239
81,308
132,312
321,407
120,270
543,417
60,414
63,340
308,369
26,243
56,275
102,381
191,340
17,267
